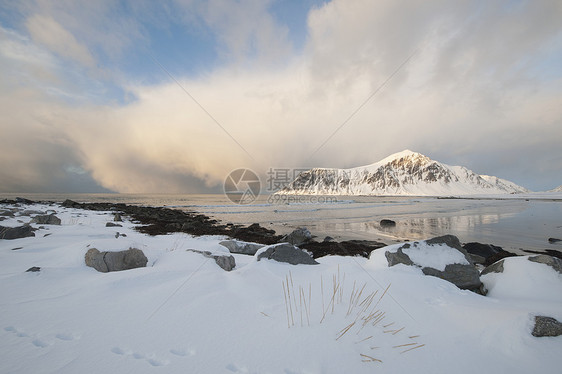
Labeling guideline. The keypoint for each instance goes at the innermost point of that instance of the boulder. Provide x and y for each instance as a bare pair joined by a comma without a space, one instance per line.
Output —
546,326
46,219
463,276
398,257
553,262
115,261
117,217
460,271
554,240
226,262
486,254
10,233
244,248
111,224
285,252
387,223
299,236
33,269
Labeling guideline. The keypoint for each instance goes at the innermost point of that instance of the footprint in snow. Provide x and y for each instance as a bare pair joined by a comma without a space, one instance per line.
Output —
40,343
15,331
66,337
152,360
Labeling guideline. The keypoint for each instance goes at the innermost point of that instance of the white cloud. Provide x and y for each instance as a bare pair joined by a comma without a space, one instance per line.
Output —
470,95
47,31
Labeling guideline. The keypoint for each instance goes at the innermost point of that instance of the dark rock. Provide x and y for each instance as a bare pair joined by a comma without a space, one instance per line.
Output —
115,261
554,240
387,223
117,217
546,326
346,248
47,219
226,262
111,224
488,253
328,239
463,276
21,200
10,233
398,257
496,267
33,269
17,248
70,204
299,236
235,246
285,252
553,262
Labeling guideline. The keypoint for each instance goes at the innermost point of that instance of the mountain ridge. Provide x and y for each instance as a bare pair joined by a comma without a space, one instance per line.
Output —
403,173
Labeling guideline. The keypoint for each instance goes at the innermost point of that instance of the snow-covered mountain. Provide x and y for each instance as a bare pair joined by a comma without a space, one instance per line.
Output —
403,173
557,189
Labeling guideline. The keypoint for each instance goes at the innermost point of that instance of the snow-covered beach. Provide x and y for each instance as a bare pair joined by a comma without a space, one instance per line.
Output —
183,313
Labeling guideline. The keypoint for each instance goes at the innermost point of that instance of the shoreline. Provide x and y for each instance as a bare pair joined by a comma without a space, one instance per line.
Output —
164,220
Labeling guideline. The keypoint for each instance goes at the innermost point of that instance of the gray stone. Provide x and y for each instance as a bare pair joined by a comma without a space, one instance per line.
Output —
387,223
554,240
285,252
33,269
10,233
450,241
398,257
328,239
244,248
463,276
546,326
496,267
553,262
299,236
115,261
46,219
226,262
6,213
29,212
111,224
117,217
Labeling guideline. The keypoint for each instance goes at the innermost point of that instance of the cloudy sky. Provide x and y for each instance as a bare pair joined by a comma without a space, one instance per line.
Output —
170,96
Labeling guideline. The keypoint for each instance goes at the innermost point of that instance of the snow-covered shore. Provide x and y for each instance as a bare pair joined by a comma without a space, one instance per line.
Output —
183,313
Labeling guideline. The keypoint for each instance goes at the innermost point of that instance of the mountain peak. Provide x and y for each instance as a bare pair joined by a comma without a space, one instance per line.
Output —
402,173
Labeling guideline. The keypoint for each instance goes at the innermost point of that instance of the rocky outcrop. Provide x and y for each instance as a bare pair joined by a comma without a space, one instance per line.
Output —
463,275
226,262
115,261
361,248
239,247
486,254
10,233
46,219
299,236
288,253
546,326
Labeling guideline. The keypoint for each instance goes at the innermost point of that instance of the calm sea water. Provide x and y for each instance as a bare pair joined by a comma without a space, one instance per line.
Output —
513,224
